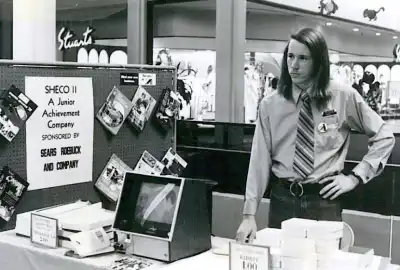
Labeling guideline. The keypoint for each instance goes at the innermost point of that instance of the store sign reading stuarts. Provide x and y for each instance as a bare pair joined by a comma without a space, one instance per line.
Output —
67,39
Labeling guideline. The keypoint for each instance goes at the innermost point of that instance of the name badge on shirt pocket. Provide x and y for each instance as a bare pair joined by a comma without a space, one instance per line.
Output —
328,123
329,113
328,135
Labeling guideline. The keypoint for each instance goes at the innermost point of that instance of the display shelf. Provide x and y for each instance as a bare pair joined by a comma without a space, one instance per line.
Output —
127,144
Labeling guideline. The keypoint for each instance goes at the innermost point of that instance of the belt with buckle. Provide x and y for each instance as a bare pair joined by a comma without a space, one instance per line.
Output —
298,189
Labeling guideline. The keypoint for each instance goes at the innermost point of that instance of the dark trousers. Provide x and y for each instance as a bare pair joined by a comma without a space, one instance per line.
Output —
283,206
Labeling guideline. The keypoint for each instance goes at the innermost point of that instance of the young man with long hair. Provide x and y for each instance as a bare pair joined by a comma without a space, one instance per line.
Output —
302,138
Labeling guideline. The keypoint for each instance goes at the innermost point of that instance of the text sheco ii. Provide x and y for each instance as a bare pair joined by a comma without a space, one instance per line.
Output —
15,110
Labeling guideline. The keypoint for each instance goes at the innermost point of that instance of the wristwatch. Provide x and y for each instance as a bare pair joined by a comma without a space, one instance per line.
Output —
356,176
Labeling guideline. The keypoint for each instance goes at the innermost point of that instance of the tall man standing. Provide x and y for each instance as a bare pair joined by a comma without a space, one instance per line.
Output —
302,137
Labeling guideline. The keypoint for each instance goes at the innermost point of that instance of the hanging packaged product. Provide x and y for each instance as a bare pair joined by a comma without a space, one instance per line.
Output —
12,188
114,111
110,181
143,106
174,163
15,110
148,164
168,108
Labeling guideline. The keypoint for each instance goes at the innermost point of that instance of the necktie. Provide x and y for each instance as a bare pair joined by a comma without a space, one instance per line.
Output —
304,150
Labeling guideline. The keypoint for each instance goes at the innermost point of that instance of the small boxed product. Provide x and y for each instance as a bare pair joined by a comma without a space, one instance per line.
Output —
148,164
330,226
111,179
114,111
327,230
343,260
276,258
143,106
168,109
297,227
269,237
15,109
134,263
297,247
72,218
91,242
366,253
328,236
393,267
308,262
174,163
12,188
324,246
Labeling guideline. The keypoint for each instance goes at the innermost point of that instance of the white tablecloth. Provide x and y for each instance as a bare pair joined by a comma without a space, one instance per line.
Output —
18,253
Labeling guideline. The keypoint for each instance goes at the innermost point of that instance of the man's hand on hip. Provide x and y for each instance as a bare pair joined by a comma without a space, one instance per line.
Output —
338,185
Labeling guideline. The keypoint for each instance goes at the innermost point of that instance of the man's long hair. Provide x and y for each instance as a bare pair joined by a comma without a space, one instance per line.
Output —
315,42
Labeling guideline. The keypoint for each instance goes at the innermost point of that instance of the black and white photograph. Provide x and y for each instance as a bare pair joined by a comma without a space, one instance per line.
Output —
15,110
111,179
156,203
128,263
12,188
174,163
168,108
115,110
143,106
148,164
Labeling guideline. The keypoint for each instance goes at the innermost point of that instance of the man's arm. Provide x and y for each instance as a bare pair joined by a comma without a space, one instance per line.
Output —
260,162
381,139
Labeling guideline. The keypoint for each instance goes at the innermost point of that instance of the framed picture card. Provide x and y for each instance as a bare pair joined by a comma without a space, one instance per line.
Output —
248,257
44,231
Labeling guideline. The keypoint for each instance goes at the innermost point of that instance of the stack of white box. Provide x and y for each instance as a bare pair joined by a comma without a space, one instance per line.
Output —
271,238
297,251
346,260
327,235
312,245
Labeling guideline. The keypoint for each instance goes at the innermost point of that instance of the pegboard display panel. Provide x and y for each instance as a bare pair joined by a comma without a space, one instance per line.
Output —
128,144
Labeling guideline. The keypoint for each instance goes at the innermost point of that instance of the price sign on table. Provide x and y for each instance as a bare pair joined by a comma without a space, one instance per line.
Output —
248,257
44,231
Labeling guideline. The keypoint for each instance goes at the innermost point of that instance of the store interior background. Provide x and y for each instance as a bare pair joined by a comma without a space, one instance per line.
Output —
185,34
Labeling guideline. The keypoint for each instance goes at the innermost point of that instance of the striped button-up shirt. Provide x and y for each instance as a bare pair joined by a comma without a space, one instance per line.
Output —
275,134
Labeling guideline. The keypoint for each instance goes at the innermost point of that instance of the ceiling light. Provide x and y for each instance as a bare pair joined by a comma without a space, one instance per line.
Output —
378,34
394,37
356,29
328,23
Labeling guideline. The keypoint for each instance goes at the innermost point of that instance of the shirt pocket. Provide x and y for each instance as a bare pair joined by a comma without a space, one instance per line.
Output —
327,133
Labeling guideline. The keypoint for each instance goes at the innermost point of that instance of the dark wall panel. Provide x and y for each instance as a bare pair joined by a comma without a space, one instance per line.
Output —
127,144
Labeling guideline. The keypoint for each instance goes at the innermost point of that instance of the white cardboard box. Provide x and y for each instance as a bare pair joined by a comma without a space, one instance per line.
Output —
78,216
307,263
269,237
297,247
297,227
317,234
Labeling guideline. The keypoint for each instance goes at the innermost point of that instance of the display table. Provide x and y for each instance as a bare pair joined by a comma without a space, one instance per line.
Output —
18,253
